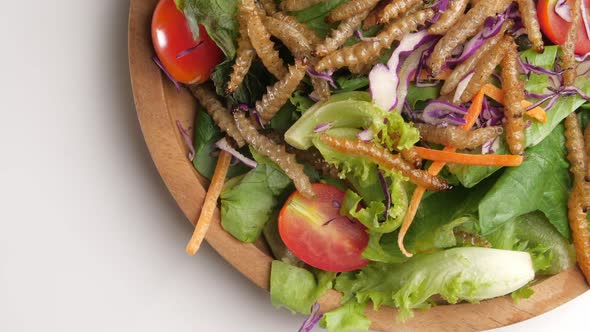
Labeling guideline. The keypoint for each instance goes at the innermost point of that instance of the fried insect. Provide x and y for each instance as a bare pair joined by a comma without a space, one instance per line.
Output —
513,89
208,99
467,26
457,137
295,5
275,152
468,65
313,157
575,155
372,18
277,95
303,29
244,55
568,59
291,37
385,159
580,234
410,155
270,7
485,67
587,147
338,36
395,9
321,88
361,68
260,39
446,20
350,9
528,13
368,51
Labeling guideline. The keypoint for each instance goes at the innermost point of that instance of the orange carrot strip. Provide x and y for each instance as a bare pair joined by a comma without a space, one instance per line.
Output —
496,94
469,159
470,118
473,111
210,203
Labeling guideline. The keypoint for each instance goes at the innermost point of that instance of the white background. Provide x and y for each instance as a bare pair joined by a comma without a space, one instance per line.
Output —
90,239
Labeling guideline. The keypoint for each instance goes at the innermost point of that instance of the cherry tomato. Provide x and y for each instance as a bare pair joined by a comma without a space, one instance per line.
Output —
186,59
555,28
316,233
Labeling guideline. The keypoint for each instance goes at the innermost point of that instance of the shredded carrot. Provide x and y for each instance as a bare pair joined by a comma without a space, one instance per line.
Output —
496,94
210,203
437,166
470,159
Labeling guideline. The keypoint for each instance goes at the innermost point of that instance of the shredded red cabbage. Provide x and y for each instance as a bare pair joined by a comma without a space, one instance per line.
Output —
310,322
462,85
159,64
562,9
366,135
442,113
257,118
585,18
323,127
385,79
224,145
324,76
490,146
188,50
385,188
440,6
187,140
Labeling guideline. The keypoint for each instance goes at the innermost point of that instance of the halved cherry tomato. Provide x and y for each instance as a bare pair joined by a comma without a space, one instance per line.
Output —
555,28
316,233
186,59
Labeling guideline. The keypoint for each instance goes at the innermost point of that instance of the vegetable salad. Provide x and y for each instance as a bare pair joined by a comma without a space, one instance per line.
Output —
399,152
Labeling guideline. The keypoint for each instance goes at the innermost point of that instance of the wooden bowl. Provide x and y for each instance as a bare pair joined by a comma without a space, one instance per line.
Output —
159,105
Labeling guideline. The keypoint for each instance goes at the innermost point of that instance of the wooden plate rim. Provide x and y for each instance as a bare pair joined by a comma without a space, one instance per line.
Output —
154,100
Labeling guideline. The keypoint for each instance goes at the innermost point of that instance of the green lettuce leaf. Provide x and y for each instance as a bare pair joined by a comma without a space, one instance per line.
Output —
533,233
296,288
218,18
542,183
244,215
276,244
470,274
347,317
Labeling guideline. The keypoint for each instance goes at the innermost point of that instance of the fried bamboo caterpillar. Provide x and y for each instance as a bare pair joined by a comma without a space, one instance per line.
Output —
485,67
371,19
368,51
260,39
222,118
568,56
277,95
528,13
314,158
295,5
270,7
385,159
587,148
275,152
395,9
303,29
466,27
580,235
291,37
245,53
449,17
457,137
576,156
513,89
468,65
340,35
350,9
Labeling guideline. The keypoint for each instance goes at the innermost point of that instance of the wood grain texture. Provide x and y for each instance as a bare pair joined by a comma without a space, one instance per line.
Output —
159,105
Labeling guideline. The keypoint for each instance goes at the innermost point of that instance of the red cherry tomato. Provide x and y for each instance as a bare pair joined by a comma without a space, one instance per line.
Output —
555,28
316,233
186,59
